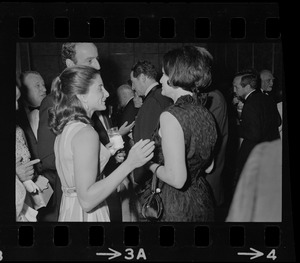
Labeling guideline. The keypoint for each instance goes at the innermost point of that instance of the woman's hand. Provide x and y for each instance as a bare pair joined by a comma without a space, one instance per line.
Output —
25,171
111,148
140,153
120,156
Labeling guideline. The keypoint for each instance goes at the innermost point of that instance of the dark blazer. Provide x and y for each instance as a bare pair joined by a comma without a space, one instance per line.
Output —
146,121
113,201
100,129
260,120
46,137
45,145
217,105
128,113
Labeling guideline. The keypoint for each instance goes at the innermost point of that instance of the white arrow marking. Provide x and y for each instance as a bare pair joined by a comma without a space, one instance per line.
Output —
115,254
256,253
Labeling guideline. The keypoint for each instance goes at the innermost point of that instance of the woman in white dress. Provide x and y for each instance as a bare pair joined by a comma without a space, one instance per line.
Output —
78,92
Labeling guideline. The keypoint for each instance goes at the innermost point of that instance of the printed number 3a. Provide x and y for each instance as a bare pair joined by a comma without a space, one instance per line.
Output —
1,255
272,254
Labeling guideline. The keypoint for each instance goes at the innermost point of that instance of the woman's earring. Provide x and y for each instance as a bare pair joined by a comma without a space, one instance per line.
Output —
86,106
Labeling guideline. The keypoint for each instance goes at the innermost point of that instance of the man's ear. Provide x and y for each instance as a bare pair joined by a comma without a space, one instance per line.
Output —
247,87
143,77
69,63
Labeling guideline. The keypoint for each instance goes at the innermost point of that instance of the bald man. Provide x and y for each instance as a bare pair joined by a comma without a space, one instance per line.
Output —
129,104
267,81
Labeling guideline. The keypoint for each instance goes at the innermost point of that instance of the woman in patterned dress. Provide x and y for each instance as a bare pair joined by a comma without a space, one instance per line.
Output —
78,92
185,137
24,174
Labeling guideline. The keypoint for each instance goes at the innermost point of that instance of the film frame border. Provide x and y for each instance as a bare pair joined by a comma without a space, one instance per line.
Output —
219,12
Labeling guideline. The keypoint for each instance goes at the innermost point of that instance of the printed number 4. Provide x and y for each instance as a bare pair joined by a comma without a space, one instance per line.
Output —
272,254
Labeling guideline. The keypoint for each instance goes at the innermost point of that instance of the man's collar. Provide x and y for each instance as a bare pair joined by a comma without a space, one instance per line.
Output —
249,94
127,102
150,88
264,92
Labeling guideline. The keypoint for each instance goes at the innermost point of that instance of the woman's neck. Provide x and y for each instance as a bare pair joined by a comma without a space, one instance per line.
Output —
179,93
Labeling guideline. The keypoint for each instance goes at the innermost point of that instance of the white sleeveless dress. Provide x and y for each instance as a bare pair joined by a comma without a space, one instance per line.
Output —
70,208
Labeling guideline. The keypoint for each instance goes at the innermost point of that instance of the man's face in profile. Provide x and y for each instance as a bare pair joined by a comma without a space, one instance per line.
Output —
87,55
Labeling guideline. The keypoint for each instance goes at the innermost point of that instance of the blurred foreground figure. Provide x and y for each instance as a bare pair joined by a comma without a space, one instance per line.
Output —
258,196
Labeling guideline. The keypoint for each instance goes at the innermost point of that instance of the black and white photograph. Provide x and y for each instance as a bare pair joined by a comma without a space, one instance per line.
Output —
169,114
145,132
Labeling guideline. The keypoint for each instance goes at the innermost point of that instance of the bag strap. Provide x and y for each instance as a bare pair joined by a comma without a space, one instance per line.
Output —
154,180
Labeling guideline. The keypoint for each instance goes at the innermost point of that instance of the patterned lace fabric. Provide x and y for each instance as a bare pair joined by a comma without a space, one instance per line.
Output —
21,146
23,211
194,202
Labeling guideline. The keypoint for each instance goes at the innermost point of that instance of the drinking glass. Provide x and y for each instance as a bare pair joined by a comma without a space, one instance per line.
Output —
115,138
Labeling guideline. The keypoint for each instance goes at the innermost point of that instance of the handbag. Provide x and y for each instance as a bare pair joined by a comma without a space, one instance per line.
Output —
152,208
44,193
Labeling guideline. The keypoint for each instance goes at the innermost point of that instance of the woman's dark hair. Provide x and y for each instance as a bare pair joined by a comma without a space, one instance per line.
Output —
67,107
188,67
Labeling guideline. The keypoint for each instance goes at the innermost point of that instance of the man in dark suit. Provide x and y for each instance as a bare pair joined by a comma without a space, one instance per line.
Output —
260,118
267,81
129,105
143,77
217,105
72,54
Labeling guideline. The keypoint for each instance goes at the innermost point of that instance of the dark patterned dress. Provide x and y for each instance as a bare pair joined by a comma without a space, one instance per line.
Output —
194,202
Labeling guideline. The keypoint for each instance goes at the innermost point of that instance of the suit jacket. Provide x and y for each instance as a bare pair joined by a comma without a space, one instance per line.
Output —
45,145
260,120
146,121
100,129
128,113
46,137
113,201
217,105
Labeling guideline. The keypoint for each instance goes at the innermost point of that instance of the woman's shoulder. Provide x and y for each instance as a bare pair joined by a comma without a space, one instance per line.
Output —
83,131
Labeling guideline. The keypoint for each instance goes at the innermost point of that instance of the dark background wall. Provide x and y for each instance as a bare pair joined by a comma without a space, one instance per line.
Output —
116,60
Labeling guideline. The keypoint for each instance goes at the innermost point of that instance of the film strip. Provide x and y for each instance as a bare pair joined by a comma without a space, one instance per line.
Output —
127,31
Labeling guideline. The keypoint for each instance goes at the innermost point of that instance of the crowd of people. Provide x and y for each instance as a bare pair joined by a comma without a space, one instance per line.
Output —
68,168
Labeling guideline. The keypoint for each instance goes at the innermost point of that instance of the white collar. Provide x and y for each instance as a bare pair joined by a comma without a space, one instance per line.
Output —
128,102
150,88
249,94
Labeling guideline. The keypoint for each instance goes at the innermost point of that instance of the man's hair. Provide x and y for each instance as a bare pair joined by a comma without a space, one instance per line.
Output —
248,77
124,92
144,67
265,71
68,52
26,73
125,87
